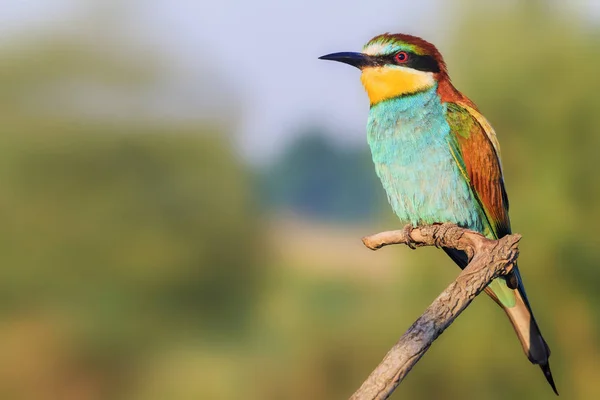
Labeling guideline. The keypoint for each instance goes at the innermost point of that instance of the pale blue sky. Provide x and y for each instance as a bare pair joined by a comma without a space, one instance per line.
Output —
266,52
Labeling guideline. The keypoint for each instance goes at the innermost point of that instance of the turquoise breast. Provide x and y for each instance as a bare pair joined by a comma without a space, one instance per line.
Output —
410,144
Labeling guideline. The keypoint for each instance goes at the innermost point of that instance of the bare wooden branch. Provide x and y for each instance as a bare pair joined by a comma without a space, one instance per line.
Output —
489,259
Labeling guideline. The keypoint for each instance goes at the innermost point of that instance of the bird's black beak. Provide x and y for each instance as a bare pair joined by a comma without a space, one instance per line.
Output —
358,60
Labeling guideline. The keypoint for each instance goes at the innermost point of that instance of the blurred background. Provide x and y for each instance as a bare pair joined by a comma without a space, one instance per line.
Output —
184,186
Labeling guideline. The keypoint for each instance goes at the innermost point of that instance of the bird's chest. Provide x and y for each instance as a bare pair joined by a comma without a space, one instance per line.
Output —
409,141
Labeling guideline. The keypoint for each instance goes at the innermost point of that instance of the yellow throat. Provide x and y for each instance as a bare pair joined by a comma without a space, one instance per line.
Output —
383,83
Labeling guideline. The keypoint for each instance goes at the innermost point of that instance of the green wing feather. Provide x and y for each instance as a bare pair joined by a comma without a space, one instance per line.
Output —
476,151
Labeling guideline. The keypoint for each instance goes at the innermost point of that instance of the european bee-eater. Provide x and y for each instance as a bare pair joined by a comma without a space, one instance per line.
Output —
438,159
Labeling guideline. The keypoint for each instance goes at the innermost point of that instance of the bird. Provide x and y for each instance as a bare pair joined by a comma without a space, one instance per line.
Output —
438,159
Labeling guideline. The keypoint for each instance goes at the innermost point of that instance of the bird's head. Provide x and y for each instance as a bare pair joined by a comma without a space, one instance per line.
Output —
395,65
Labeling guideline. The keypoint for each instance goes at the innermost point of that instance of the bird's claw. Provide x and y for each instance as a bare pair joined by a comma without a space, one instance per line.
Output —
409,241
439,235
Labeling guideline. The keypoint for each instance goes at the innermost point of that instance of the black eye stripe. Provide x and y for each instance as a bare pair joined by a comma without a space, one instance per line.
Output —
415,61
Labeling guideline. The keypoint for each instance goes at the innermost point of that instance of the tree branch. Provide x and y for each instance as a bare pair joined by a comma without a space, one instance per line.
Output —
488,260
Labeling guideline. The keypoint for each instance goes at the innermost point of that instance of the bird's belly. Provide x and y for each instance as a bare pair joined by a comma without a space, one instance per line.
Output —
423,182
410,141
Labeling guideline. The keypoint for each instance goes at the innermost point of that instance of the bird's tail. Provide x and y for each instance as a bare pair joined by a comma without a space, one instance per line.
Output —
514,302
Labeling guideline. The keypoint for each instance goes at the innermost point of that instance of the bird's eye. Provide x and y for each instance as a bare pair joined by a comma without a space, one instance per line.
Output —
401,57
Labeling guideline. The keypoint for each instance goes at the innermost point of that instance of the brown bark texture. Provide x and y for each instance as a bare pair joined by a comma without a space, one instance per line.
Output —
488,260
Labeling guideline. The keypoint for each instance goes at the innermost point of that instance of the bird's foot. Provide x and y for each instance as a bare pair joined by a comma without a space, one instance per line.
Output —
409,240
440,234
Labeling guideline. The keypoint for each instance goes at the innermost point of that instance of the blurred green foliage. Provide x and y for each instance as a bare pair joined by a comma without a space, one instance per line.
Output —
118,228
317,179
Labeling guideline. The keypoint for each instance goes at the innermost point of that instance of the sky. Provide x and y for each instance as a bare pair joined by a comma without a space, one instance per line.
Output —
265,54
269,53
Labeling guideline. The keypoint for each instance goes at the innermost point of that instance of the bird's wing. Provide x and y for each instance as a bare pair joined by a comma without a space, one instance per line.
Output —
475,148
477,153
